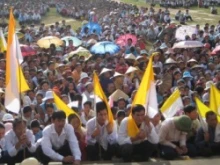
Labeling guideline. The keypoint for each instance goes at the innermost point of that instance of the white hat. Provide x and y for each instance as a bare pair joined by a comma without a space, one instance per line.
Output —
83,75
28,161
208,85
163,46
192,60
130,57
49,95
116,74
143,52
170,61
1,90
7,117
170,51
104,70
131,69
139,57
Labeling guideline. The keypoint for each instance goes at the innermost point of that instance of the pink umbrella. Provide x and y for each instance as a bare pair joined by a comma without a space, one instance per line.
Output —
27,50
217,49
123,40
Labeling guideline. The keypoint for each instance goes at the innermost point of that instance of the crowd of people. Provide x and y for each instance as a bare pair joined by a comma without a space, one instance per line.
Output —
43,131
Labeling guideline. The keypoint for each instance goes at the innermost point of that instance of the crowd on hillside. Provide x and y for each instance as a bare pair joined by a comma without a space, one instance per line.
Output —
47,133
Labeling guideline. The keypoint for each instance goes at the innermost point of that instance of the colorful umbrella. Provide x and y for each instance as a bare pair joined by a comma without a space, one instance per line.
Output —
80,52
27,50
93,28
47,41
19,34
105,47
182,31
123,40
76,42
188,44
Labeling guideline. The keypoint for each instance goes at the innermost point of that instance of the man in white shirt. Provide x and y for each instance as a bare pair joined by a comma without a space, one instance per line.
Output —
19,140
101,135
59,142
173,136
143,144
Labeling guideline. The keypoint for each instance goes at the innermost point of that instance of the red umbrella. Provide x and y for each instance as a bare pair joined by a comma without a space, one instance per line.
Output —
123,40
27,50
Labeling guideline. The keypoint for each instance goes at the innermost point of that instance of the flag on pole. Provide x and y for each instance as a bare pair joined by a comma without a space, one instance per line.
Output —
62,106
3,44
214,99
98,92
146,95
172,105
202,110
15,81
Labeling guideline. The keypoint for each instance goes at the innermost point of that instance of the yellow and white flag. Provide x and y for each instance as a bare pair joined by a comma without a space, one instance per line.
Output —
214,99
172,105
146,95
15,81
3,44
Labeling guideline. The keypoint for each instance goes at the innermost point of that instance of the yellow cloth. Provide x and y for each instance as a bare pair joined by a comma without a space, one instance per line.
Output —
99,92
214,99
141,95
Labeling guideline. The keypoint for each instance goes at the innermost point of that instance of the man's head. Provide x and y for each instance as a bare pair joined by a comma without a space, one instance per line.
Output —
27,112
138,113
59,120
19,126
35,126
211,119
87,106
183,123
102,113
191,112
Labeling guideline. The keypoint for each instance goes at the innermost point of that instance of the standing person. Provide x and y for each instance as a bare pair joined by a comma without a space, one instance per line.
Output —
18,141
59,142
101,135
144,143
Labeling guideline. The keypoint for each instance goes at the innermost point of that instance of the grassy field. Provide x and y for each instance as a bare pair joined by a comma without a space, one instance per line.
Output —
200,15
52,17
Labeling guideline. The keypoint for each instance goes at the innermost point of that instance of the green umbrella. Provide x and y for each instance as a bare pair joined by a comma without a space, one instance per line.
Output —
19,34
76,42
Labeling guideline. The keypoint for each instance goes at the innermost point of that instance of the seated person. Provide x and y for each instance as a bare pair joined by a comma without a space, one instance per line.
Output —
36,129
101,135
208,141
188,16
80,132
173,138
177,16
19,140
87,112
59,142
214,10
3,152
143,144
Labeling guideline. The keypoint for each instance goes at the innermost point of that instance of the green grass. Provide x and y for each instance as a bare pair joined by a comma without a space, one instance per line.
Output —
52,16
200,15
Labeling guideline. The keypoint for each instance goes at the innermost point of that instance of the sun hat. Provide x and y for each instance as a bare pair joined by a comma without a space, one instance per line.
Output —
208,85
183,123
49,95
187,74
104,70
7,117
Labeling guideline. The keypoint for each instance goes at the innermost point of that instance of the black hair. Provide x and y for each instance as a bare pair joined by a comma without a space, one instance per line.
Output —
121,114
189,108
58,115
27,109
137,108
88,103
71,117
209,113
18,121
100,106
35,124
49,106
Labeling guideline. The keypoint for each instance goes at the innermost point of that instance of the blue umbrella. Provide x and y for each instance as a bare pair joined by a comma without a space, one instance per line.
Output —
105,47
93,27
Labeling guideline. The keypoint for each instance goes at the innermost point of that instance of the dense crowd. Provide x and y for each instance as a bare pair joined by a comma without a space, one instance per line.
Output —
47,133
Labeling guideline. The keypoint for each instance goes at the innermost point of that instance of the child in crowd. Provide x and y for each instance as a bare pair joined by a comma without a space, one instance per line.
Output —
36,129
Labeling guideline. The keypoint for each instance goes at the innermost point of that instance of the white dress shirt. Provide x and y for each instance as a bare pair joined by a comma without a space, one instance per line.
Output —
11,140
169,133
124,138
52,139
104,138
